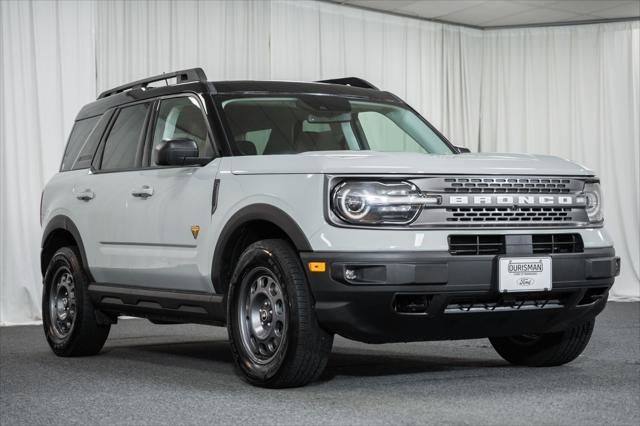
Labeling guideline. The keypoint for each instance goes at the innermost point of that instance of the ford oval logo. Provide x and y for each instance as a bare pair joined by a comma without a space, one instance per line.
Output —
526,282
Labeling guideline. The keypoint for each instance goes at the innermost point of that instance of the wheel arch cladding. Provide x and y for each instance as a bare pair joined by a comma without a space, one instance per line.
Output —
61,232
249,224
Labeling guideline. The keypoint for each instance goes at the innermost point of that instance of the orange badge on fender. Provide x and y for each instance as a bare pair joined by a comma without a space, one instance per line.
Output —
195,229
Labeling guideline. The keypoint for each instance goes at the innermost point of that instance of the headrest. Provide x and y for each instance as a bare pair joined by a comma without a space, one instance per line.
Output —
246,147
191,121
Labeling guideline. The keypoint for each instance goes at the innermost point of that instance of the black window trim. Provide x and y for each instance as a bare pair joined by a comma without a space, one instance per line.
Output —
97,156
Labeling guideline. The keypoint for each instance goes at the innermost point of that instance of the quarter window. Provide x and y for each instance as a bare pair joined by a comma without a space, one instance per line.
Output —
85,157
77,141
122,144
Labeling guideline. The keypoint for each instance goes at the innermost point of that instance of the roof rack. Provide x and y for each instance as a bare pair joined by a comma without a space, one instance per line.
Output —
193,74
350,81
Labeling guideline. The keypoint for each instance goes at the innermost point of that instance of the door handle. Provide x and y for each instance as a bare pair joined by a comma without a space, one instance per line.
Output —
144,192
86,195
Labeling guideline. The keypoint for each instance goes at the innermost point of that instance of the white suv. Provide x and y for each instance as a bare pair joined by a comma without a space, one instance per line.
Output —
292,211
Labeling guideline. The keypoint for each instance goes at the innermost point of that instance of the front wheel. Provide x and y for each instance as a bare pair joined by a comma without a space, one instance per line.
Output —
545,350
274,334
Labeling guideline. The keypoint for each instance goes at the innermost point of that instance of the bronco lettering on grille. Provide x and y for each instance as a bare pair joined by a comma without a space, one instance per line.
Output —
512,200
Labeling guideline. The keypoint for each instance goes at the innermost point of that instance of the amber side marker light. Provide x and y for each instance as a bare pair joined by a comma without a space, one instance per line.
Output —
317,266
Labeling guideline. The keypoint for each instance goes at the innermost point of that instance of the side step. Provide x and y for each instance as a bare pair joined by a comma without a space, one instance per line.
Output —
159,304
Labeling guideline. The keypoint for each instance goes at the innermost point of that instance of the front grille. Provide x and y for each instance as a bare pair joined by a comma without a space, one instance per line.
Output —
522,305
508,214
468,245
557,243
473,245
478,201
508,302
511,185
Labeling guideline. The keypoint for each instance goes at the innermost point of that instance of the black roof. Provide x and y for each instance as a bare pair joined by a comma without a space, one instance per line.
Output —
195,81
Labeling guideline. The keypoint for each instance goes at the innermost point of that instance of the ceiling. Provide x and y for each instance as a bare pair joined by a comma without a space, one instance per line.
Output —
498,13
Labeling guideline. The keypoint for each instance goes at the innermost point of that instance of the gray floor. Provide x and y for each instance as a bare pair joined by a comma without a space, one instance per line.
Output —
151,374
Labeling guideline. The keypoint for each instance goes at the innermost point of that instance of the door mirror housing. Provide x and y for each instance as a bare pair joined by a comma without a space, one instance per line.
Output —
179,152
463,150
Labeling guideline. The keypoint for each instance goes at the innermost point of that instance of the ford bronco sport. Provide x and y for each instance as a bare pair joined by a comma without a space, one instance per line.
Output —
293,211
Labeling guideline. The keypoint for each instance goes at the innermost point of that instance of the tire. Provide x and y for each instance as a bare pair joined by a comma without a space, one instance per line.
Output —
69,319
275,337
545,350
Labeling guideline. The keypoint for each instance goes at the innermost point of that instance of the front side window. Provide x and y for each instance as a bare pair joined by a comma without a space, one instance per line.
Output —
122,143
290,125
181,118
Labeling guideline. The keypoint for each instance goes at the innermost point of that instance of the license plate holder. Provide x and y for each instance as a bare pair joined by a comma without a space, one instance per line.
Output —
524,274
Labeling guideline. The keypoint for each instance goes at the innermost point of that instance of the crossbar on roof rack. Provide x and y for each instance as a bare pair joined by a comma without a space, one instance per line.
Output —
193,74
350,81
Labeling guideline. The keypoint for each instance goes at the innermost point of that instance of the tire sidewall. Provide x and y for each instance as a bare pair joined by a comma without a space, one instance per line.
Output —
63,258
260,257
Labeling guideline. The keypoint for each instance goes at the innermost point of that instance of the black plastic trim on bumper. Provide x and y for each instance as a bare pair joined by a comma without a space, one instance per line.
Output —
362,304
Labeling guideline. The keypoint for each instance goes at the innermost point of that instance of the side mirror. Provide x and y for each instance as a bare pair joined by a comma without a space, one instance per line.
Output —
179,152
463,150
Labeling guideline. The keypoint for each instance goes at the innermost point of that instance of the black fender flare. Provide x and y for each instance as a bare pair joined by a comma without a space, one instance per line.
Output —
64,222
265,212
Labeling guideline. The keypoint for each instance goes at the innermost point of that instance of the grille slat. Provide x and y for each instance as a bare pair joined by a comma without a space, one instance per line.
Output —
544,214
474,245
512,185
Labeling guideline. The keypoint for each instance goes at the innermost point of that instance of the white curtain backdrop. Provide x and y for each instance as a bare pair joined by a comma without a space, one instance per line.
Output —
570,91
47,72
573,92
434,67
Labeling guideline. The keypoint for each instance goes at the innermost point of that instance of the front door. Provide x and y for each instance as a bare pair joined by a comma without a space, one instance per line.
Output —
155,217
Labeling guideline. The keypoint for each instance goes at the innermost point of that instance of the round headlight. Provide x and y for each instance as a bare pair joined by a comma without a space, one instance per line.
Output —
593,197
361,202
354,204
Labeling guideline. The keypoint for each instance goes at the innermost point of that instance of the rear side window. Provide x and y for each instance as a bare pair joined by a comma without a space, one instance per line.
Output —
77,142
122,143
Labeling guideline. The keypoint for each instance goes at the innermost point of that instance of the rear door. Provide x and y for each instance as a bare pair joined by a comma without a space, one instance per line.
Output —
105,192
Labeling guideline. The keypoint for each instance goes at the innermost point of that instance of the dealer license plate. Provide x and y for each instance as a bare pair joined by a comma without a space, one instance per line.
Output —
524,274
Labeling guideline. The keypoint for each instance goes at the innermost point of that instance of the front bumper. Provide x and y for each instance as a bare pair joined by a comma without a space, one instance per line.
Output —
413,296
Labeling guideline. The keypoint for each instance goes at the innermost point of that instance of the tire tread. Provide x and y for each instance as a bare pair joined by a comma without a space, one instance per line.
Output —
306,361
552,349
88,337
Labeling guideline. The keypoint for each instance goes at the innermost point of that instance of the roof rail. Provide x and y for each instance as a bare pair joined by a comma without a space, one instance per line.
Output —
193,74
350,81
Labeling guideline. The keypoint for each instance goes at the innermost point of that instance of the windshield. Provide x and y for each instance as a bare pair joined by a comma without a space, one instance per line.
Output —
290,125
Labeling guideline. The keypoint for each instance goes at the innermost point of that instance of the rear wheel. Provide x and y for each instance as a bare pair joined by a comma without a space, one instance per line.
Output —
68,315
274,334
545,350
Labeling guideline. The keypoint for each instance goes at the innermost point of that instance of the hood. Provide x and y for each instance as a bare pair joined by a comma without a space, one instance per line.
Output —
406,163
